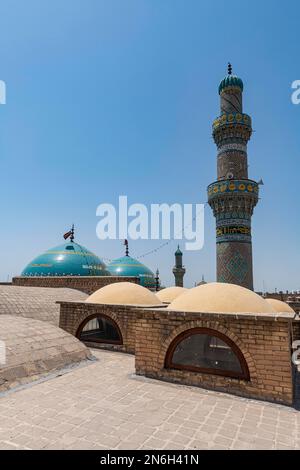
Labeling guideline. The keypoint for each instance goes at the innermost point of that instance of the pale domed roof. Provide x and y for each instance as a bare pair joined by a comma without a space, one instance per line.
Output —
124,293
280,306
39,303
34,349
221,298
170,293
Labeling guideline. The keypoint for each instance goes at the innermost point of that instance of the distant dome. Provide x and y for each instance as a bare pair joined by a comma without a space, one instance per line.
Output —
170,293
69,259
128,266
221,298
280,306
124,293
201,282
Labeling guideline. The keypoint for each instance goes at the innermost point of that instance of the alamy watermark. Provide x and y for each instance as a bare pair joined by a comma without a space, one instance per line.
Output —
159,221
295,97
2,92
2,353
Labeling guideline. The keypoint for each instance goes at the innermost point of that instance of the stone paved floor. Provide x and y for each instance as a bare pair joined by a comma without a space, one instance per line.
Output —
102,406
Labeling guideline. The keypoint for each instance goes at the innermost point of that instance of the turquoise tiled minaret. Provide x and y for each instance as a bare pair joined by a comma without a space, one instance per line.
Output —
233,196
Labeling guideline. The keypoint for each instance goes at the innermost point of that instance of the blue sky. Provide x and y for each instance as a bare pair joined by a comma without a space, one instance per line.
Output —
112,97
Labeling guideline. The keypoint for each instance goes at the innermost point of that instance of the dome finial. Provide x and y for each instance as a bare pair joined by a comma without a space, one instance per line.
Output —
126,247
229,68
72,234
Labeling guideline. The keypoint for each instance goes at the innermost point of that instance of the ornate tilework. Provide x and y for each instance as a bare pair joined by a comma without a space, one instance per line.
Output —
234,263
234,196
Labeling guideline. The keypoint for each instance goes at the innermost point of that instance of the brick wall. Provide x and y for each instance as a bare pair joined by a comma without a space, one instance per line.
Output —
72,315
264,342
87,284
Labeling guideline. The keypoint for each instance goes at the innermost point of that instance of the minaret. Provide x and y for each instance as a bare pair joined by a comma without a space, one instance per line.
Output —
233,196
178,270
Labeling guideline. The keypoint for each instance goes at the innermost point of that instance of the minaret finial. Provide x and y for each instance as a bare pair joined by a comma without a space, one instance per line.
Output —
126,247
229,68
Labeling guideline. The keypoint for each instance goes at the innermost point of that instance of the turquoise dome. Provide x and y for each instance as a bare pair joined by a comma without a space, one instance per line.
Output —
128,266
231,81
69,259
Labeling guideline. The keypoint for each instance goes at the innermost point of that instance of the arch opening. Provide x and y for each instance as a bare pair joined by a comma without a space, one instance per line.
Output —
207,351
99,328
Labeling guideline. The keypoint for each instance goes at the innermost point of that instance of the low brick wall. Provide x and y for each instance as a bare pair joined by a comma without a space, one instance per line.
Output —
263,340
87,284
73,314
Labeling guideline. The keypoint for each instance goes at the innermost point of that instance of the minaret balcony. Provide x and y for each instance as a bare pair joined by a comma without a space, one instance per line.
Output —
227,188
232,118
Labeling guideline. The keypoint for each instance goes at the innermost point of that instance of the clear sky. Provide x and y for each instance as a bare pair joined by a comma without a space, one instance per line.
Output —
112,97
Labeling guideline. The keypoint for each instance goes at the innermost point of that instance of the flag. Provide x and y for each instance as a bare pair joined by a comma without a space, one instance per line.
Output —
67,234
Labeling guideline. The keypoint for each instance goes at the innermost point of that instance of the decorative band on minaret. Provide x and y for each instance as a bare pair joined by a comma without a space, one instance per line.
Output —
233,196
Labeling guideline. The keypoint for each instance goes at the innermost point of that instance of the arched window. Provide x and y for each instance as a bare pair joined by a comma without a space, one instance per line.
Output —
207,351
99,328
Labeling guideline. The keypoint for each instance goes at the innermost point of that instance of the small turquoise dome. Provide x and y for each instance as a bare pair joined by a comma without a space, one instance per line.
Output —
231,81
128,266
69,259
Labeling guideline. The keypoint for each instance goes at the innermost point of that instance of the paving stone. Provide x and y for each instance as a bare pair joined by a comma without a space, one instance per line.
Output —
102,406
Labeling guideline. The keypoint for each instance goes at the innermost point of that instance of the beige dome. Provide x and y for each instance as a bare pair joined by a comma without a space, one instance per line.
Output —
170,293
124,293
221,297
280,306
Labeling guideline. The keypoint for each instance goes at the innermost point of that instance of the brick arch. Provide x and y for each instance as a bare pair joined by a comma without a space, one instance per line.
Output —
111,317
214,325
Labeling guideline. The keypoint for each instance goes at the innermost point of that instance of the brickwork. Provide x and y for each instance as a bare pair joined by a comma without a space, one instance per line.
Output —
105,406
264,342
35,348
39,303
73,314
87,284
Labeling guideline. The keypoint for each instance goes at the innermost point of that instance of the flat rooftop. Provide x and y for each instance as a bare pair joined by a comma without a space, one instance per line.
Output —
103,405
